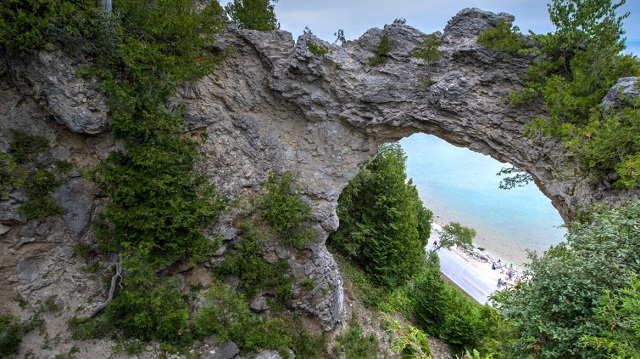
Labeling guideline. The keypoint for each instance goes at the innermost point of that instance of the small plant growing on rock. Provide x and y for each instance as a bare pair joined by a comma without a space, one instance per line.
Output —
382,51
318,50
429,49
284,210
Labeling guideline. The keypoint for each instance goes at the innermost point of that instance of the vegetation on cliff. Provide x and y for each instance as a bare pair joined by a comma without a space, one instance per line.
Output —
383,225
575,67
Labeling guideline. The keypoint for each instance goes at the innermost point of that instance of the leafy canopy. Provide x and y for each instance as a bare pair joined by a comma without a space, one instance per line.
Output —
554,308
383,224
253,14
575,67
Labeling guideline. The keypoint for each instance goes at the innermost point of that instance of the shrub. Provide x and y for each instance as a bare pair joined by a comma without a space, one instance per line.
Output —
555,307
383,223
318,50
253,14
150,308
382,51
429,49
11,333
256,274
227,314
355,344
284,210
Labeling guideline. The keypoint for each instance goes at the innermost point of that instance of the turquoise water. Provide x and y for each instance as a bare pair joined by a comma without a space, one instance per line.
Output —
459,185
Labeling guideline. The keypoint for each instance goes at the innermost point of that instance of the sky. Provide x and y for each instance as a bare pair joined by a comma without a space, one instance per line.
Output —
325,17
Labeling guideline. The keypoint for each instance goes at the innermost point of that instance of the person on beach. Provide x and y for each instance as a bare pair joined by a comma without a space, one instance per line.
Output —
499,282
493,265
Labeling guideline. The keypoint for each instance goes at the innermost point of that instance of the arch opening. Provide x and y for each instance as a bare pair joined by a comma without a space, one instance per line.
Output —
460,185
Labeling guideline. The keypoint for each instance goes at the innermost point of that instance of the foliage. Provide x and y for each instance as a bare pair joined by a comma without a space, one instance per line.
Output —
318,50
285,211
149,307
81,26
340,37
90,328
25,148
517,178
159,199
355,344
575,68
411,341
253,14
445,311
503,37
307,345
21,170
428,50
256,274
10,174
11,333
382,51
554,309
383,224
400,21
619,319
227,314
24,25
456,234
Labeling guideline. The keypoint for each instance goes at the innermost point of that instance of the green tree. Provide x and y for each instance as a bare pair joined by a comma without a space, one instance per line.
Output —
253,14
575,67
554,308
383,224
619,318
455,234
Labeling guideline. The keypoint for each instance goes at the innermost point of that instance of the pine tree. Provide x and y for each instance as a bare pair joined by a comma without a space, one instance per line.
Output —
383,224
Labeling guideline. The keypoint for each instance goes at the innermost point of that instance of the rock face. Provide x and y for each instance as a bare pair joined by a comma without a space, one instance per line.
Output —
277,106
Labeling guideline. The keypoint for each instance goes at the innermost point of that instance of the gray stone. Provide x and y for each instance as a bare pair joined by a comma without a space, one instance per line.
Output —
259,304
71,100
226,350
76,198
4,229
624,93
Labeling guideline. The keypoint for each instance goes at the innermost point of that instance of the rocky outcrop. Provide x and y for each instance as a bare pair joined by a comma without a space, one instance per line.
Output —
275,105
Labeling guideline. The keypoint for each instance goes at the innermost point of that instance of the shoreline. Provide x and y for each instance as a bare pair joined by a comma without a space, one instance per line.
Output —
473,273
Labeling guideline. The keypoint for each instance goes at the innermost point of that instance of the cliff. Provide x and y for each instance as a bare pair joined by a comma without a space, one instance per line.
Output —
275,105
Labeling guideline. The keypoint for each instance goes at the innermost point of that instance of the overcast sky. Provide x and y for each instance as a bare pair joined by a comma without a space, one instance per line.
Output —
325,17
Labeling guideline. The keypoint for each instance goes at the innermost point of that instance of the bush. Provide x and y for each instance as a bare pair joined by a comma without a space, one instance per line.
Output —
253,14
11,333
429,49
555,308
355,344
284,210
227,315
150,308
382,51
256,274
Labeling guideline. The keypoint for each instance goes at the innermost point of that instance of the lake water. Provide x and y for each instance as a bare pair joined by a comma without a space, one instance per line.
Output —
460,185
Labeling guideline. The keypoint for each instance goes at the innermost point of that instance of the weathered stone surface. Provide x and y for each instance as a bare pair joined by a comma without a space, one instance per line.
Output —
76,197
226,350
624,93
275,106
259,304
71,100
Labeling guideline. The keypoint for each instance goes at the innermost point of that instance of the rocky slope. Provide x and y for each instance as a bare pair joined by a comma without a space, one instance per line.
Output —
274,106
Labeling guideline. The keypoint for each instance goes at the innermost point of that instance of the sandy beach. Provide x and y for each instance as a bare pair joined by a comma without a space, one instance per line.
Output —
473,273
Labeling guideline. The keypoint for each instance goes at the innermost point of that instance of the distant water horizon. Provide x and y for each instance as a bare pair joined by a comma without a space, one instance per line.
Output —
459,185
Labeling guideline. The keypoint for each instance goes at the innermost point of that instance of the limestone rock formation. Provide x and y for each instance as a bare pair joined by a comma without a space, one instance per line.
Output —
275,105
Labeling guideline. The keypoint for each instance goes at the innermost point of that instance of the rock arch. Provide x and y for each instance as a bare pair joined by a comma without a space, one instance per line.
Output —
277,106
